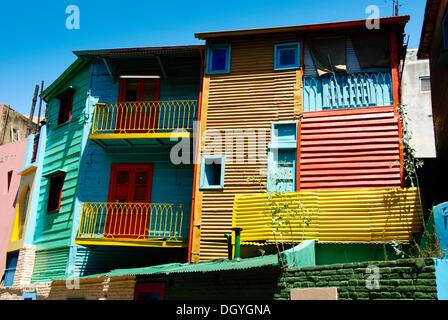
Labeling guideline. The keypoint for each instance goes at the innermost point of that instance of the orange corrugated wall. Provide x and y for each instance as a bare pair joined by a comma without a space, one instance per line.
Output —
351,148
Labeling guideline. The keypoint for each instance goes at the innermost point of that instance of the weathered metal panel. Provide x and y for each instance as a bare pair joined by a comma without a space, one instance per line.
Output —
349,149
251,96
357,215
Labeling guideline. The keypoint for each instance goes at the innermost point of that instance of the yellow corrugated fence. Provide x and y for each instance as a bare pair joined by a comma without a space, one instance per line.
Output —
362,215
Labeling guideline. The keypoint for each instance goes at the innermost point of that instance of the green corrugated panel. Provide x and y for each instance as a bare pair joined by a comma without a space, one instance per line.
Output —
221,265
50,264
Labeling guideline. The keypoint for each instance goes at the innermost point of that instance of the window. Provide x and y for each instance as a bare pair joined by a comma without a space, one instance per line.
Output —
282,157
212,172
287,56
218,58
11,265
35,146
55,192
65,107
425,84
9,179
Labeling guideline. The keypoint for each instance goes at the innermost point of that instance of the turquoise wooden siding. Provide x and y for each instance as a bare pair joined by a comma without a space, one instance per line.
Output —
171,183
62,152
50,264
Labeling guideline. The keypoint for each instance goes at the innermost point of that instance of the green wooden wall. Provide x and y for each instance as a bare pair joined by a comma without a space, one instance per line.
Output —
62,153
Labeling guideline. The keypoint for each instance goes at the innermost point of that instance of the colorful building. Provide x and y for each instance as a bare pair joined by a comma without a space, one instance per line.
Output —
316,107
112,194
13,218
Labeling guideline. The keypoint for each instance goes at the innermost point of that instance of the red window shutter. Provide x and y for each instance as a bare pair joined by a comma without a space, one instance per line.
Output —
65,107
55,192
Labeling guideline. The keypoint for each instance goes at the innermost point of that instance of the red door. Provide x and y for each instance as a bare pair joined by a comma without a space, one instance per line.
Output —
128,211
137,116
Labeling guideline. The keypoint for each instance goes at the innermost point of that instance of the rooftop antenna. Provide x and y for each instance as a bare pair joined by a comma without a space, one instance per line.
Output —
396,5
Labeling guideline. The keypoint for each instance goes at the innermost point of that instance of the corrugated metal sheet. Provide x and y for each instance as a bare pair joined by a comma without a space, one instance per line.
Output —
253,96
343,149
363,216
50,264
221,265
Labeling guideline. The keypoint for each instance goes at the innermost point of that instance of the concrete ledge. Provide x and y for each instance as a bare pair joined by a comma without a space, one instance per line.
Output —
314,294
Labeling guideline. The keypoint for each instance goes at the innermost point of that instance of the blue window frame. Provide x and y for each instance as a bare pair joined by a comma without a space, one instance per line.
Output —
445,30
218,58
282,157
287,56
212,172
11,265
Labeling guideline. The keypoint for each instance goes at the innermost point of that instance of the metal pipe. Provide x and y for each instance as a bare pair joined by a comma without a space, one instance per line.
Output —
229,245
237,243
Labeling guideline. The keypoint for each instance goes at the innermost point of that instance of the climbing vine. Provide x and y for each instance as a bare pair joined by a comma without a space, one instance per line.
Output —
410,162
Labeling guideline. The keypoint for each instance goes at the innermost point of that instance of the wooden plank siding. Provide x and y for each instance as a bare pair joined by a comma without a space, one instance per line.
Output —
62,152
251,96
343,149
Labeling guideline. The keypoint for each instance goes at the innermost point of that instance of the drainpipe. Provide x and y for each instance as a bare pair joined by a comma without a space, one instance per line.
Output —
237,243
229,245
196,157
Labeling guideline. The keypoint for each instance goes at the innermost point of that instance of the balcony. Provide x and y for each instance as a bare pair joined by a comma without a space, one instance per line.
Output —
144,119
355,216
134,224
341,91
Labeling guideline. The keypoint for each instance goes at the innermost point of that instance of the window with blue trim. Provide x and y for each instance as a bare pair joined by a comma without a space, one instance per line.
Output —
218,58
212,172
282,157
287,56
11,265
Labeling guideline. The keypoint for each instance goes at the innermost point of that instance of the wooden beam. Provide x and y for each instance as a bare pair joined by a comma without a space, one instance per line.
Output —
162,69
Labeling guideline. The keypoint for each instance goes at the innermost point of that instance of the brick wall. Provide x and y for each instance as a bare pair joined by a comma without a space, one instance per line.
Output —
101,288
15,293
25,265
399,279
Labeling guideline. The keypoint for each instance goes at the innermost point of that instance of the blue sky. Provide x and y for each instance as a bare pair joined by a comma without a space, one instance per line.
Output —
36,45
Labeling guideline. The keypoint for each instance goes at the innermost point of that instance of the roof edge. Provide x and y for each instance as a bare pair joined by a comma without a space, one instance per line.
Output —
309,27
49,92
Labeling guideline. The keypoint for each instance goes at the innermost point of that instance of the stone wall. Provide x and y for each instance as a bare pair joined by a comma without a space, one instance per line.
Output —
399,279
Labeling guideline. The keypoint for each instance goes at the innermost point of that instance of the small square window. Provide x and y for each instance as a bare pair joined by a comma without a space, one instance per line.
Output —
425,84
65,107
287,56
218,58
55,192
212,172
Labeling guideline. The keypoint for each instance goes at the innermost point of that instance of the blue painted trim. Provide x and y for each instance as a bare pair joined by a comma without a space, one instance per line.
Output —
274,141
440,214
441,271
29,295
202,181
445,30
280,46
210,47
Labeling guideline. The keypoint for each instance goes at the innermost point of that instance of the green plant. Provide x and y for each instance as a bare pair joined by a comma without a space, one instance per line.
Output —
410,163
284,210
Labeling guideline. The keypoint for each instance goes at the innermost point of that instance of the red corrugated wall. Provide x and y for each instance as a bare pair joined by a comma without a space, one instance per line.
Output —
350,148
